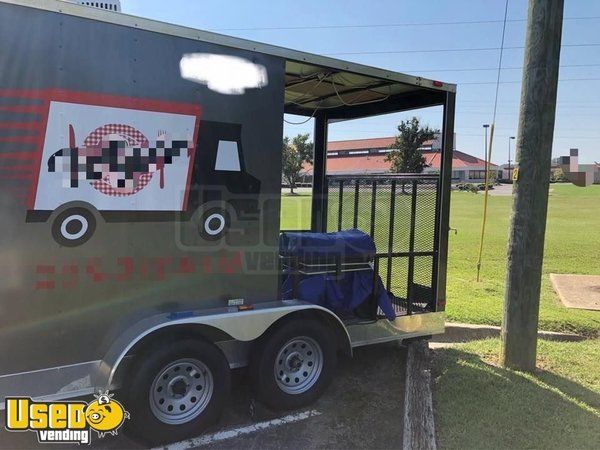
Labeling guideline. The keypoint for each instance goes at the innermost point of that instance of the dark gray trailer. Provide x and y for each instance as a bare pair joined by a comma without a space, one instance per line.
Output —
140,211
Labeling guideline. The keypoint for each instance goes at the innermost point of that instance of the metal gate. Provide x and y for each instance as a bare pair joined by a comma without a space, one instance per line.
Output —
401,213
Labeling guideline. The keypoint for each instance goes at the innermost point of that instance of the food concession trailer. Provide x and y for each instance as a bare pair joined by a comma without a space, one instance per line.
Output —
141,243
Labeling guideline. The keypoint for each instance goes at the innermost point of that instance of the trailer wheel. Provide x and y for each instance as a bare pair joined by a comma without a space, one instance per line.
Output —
177,391
214,223
73,227
293,364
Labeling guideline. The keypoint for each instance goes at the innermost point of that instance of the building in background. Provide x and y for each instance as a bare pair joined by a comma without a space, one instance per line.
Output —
367,156
110,5
578,174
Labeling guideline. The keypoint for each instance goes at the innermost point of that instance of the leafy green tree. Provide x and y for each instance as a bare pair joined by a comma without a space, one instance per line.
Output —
405,155
296,152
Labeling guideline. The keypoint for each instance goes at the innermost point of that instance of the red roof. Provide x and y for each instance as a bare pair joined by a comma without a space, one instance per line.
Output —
360,144
363,144
377,163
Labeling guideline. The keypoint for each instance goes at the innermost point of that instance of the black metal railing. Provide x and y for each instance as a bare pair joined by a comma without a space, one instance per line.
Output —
401,214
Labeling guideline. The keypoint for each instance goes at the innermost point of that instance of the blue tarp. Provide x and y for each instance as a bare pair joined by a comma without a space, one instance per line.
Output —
348,244
351,289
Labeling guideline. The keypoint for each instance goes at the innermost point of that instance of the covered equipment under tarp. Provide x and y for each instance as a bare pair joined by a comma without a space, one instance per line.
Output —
333,270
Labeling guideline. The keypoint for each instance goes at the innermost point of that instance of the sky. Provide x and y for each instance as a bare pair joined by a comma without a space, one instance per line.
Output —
410,31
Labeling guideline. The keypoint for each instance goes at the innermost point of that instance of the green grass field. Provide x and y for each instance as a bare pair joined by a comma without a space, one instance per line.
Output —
572,246
480,405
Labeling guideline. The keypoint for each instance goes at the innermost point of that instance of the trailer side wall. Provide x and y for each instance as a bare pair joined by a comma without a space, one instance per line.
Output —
64,305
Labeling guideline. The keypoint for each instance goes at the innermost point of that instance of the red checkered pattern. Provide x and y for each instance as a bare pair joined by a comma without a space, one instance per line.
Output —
105,187
133,136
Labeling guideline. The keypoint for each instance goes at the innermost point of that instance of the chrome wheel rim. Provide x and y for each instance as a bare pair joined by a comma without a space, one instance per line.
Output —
298,365
181,391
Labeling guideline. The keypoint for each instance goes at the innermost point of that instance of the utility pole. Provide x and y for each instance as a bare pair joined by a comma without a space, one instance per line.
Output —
530,204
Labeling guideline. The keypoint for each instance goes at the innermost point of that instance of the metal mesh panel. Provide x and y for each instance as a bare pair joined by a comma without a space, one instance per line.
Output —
400,213
421,289
402,217
381,219
398,282
332,206
426,216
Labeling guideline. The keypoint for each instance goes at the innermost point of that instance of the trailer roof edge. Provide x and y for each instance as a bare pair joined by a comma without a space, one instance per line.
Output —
119,18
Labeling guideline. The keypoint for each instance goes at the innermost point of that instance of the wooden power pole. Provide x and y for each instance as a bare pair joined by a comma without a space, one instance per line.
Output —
530,204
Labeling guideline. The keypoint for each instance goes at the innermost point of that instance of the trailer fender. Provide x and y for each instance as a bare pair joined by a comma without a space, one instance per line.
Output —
245,326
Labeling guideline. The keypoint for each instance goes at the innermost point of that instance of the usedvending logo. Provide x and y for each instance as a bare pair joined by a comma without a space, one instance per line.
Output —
66,422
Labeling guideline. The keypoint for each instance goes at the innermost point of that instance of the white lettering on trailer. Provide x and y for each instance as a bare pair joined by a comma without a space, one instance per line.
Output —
236,432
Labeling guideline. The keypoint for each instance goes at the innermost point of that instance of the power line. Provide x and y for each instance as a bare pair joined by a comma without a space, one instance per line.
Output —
516,113
519,81
472,69
555,137
581,104
389,25
446,50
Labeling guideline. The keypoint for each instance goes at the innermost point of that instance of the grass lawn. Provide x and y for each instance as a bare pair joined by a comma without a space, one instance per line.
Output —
480,405
572,246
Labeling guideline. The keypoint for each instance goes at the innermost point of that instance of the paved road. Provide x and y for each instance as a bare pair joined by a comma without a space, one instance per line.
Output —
363,408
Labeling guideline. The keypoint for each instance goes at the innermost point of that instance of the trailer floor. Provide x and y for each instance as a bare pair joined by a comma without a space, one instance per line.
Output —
363,407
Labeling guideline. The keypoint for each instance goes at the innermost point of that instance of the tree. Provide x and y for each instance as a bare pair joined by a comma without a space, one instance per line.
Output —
558,176
405,155
296,152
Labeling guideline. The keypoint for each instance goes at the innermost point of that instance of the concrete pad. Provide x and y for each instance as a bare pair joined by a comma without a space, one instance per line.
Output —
577,291
502,190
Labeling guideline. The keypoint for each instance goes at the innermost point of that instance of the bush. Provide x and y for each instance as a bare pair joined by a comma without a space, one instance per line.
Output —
481,186
466,187
558,176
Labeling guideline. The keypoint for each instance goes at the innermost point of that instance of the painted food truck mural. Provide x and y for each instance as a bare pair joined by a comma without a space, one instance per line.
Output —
132,160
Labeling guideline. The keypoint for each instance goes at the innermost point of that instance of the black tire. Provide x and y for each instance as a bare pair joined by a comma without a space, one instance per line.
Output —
266,354
145,425
214,223
73,227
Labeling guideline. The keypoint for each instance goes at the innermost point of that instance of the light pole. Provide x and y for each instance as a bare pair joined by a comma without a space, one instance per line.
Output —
509,139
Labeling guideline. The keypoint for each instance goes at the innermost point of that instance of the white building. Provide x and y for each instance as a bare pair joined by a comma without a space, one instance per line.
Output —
110,5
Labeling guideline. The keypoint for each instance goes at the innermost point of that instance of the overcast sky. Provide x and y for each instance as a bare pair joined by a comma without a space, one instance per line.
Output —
398,26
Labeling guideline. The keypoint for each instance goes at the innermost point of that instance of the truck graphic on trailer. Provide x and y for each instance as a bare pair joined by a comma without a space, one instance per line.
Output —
98,159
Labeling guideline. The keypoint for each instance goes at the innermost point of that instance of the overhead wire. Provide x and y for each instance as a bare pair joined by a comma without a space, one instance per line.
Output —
388,25
471,69
518,81
446,50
